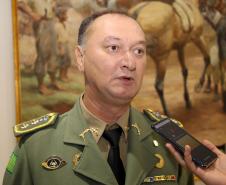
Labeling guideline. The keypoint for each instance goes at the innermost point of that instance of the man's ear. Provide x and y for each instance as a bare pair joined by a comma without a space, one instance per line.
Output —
79,58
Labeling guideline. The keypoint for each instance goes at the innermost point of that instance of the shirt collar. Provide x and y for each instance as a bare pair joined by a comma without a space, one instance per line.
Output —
100,125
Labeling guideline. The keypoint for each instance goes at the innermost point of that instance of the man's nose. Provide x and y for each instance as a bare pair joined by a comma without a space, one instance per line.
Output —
128,61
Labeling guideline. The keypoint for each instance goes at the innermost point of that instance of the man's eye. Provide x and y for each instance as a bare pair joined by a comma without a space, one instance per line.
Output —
113,48
139,51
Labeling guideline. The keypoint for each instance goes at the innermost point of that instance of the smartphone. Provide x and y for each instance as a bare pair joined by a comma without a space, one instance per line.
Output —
178,137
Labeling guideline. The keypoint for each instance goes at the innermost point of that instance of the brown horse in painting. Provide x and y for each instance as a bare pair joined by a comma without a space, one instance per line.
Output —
171,26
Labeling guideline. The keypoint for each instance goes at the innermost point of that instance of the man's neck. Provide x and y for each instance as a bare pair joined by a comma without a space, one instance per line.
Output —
107,112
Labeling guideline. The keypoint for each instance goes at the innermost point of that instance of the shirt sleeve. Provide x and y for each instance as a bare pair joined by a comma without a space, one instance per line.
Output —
17,170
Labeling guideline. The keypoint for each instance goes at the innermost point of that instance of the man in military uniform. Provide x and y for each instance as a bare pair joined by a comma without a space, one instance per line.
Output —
102,140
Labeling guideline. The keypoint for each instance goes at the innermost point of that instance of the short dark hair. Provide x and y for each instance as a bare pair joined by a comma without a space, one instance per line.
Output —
90,19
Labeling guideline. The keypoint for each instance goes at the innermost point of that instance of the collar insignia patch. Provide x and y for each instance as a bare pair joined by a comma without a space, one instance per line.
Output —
53,163
136,127
92,130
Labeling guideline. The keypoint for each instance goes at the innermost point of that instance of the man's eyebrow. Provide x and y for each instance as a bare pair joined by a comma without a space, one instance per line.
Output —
143,42
110,38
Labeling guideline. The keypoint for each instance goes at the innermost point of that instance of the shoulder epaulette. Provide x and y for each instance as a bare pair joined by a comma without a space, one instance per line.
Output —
156,116
35,124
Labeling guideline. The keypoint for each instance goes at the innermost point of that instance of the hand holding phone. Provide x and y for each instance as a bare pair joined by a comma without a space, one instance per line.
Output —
178,137
214,175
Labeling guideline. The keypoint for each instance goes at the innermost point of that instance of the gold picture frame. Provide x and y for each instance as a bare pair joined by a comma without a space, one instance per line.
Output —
16,62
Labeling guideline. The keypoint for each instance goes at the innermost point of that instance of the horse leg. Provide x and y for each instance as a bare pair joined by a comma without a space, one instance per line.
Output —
200,43
223,82
208,85
159,82
217,72
180,53
216,93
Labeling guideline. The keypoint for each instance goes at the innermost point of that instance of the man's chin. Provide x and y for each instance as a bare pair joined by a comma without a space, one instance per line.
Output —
124,97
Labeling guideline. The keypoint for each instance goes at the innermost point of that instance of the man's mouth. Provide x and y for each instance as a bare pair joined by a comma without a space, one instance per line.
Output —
126,78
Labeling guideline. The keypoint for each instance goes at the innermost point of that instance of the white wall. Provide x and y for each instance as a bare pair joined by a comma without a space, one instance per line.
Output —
7,90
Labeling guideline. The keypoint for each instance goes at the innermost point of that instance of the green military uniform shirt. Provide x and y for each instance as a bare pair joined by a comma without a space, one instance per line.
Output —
66,153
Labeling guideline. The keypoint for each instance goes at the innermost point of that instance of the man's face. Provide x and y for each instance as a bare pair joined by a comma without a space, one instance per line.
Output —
114,58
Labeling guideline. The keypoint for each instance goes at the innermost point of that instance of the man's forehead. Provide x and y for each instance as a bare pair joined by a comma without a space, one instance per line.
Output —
111,17
113,22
